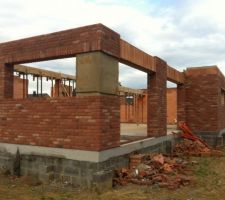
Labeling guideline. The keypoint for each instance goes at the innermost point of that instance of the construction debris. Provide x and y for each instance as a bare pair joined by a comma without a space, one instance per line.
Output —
188,134
155,169
166,171
192,145
194,148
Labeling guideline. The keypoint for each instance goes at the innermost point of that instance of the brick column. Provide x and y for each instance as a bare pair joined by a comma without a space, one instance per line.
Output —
6,81
97,76
156,102
181,108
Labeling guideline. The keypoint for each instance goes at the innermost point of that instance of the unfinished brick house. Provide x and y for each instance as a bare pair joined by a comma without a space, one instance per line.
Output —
77,138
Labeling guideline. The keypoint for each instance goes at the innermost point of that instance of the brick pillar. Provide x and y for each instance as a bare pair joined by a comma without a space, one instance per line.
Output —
97,76
156,102
181,108
6,81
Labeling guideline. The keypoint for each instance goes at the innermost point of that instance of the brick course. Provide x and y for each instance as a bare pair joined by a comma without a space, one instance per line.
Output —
61,45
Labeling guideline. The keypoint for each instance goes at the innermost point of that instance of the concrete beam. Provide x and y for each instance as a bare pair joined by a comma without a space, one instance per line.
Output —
96,73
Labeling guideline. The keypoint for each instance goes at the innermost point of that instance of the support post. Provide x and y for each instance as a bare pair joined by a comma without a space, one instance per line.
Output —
97,76
57,87
156,102
6,81
181,108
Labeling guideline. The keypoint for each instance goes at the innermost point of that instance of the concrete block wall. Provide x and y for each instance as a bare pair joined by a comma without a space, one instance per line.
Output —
96,169
87,122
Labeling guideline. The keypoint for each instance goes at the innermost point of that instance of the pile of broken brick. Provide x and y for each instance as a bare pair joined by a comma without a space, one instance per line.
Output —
155,169
194,148
168,171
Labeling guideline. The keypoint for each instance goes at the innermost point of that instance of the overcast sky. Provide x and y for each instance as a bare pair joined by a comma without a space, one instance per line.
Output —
184,33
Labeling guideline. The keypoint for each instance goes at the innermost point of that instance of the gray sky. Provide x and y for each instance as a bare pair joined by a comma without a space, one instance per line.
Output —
185,33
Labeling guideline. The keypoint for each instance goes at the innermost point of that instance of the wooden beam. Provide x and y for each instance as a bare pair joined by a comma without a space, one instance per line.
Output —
42,72
130,90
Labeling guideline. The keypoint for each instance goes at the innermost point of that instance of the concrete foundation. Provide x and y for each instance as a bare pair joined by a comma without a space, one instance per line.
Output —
214,139
76,167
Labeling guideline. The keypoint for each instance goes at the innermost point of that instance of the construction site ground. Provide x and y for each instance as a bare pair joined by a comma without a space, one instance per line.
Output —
208,184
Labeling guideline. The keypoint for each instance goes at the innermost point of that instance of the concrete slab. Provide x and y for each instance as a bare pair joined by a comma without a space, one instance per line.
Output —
132,129
81,155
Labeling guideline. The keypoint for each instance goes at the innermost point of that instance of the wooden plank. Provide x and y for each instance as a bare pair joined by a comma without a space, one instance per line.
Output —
130,90
42,72
135,57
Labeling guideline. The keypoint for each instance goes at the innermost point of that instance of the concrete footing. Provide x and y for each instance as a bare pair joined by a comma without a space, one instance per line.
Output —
212,138
75,167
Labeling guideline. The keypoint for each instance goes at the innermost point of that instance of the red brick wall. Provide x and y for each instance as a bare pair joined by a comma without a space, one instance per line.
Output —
87,122
18,88
138,114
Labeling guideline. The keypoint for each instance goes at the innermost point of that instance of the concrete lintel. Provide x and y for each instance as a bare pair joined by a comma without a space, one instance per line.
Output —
81,155
96,72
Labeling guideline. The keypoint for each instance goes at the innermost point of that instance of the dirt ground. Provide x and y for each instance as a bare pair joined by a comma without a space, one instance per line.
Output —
209,184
